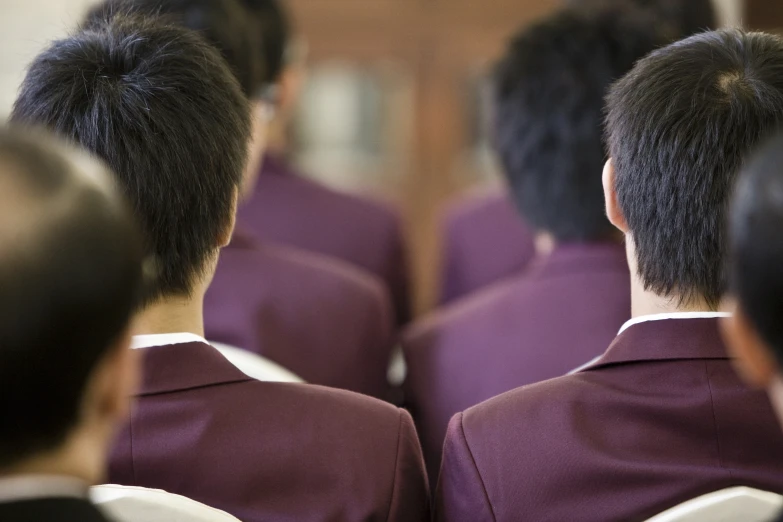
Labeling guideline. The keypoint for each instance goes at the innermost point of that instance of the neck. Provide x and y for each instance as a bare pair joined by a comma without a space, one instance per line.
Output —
277,138
545,243
82,457
172,315
647,302
644,302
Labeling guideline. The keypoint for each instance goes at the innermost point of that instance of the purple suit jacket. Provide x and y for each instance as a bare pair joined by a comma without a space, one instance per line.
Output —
326,321
661,418
485,240
543,324
289,209
267,451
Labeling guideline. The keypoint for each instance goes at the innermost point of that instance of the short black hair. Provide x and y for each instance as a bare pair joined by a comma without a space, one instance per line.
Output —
223,23
756,244
680,126
70,273
687,17
159,105
548,94
676,19
274,26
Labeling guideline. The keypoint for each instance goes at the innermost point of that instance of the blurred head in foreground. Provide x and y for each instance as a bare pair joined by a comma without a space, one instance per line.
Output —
755,330
70,270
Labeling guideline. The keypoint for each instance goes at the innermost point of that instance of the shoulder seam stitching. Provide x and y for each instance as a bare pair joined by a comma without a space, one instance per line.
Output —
475,466
396,464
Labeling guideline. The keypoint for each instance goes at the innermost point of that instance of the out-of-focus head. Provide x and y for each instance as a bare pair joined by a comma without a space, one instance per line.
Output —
677,19
283,54
160,106
549,93
226,25
274,29
680,126
71,274
755,331
684,17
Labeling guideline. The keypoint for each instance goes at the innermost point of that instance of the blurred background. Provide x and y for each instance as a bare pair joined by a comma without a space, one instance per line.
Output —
395,99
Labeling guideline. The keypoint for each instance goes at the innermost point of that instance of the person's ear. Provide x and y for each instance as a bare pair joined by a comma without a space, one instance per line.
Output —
115,380
228,231
613,210
753,359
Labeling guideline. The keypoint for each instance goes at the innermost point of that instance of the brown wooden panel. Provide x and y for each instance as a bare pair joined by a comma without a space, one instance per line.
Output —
764,14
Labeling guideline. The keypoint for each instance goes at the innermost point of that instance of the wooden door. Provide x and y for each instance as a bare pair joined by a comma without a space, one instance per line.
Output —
764,15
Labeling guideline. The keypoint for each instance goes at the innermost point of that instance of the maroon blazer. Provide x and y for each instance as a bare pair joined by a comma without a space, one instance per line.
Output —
485,241
326,321
267,451
563,313
661,418
287,208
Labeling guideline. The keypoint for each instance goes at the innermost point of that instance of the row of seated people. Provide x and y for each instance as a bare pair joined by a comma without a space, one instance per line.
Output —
637,430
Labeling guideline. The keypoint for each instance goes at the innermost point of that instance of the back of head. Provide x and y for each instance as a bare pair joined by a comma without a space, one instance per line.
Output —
274,27
159,105
223,23
756,245
676,19
680,126
70,270
685,17
549,96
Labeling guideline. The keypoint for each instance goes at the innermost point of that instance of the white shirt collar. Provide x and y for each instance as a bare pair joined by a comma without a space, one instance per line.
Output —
655,317
29,487
674,315
252,365
148,341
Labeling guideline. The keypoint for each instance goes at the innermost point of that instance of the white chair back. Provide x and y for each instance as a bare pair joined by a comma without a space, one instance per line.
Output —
133,504
739,504
255,366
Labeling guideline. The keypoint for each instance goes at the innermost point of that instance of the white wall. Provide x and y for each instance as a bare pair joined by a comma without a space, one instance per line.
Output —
25,28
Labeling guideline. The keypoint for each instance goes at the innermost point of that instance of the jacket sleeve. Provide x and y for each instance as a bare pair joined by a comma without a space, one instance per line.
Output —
410,500
461,495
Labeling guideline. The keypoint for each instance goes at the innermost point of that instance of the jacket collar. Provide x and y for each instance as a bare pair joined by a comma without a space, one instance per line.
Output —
581,257
185,366
664,340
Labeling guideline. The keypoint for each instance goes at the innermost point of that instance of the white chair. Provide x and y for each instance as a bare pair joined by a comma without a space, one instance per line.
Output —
132,504
728,505
255,366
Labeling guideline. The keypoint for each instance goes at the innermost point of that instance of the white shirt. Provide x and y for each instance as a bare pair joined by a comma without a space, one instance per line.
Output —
655,317
673,315
134,504
30,487
250,364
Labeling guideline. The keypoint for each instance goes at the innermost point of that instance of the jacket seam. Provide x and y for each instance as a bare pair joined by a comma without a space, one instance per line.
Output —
396,465
475,466
715,421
